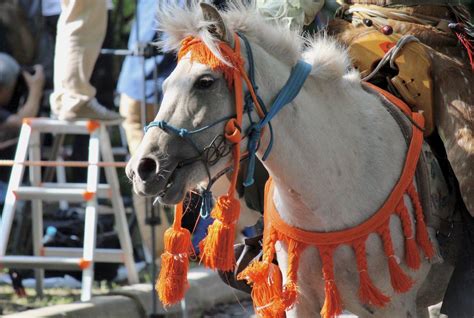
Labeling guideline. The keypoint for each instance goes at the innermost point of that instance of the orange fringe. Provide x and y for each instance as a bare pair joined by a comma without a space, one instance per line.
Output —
200,53
332,300
368,293
400,281
412,256
422,237
290,290
285,297
172,282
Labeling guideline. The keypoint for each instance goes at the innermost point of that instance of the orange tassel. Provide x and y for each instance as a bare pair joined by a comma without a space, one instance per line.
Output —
172,282
217,249
266,288
401,282
290,294
412,256
290,290
369,294
332,301
422,236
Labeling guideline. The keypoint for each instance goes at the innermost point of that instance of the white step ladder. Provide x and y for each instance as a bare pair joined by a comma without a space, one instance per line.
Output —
60,257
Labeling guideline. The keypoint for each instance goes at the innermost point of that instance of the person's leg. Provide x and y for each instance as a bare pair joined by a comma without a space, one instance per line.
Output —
130,109
80,33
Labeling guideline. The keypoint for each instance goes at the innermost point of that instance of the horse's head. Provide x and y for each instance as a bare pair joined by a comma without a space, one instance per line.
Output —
195,95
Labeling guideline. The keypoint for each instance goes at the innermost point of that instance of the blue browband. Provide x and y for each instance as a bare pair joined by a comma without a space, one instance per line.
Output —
289,91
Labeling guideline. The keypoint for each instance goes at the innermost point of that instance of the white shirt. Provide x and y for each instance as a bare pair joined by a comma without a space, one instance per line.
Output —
53,7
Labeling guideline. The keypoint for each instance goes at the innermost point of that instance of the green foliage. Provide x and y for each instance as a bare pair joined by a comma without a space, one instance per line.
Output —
122,17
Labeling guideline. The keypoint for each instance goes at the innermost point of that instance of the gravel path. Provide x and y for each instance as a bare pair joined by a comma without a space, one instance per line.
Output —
244,309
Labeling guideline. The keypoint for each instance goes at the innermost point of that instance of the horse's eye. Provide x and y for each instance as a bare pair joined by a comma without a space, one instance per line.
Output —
204,82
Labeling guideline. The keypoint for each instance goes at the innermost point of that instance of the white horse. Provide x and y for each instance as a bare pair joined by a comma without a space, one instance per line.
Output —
336,156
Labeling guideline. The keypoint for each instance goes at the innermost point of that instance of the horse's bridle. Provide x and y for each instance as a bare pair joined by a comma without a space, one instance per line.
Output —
219,146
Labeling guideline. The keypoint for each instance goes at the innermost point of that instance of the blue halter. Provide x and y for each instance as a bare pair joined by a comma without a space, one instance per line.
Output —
288,92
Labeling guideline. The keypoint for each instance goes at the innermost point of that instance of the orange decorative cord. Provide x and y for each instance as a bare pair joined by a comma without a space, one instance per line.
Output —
296,240
217,248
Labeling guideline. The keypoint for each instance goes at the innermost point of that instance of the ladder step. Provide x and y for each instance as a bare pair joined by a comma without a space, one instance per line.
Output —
82,127
21,261
103,190
53,194
101,255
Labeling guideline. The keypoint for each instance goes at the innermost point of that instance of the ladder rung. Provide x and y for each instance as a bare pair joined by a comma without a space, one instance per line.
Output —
103,190
101,255
20,261
53,194
83,127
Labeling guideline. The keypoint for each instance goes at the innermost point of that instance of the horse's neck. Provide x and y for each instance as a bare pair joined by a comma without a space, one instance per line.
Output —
337,152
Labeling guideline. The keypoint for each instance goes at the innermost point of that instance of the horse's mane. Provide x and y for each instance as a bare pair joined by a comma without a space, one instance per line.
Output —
177,22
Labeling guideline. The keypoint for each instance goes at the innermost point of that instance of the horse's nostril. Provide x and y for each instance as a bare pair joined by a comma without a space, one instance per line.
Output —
146,169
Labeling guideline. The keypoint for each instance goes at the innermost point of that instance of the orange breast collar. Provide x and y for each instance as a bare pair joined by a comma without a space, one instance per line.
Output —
271,299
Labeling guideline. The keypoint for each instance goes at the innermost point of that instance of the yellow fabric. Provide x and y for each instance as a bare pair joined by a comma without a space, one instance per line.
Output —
413,81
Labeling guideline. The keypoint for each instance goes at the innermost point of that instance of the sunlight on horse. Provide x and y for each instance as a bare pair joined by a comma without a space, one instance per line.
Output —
336,156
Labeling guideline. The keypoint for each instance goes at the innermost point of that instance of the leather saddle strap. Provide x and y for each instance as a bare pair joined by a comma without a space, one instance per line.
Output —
406,126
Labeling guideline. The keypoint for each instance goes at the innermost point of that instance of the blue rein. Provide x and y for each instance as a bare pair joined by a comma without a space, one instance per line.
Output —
288,92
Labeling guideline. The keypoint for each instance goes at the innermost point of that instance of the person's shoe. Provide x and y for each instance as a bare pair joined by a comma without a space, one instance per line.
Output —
55,111
91,110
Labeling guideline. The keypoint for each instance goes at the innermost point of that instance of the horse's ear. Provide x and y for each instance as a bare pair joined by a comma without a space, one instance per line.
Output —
218,27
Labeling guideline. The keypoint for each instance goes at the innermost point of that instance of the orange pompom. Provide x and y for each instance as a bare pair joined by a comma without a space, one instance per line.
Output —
172,282
401,282
332,301
368,293
217,249
266,288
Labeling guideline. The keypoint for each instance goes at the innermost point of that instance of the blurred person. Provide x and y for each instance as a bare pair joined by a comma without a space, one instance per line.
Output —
16,38
12,110
20,97
80,33
130,87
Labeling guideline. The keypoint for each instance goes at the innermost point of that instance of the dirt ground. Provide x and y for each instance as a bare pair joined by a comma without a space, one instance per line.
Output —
10,303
